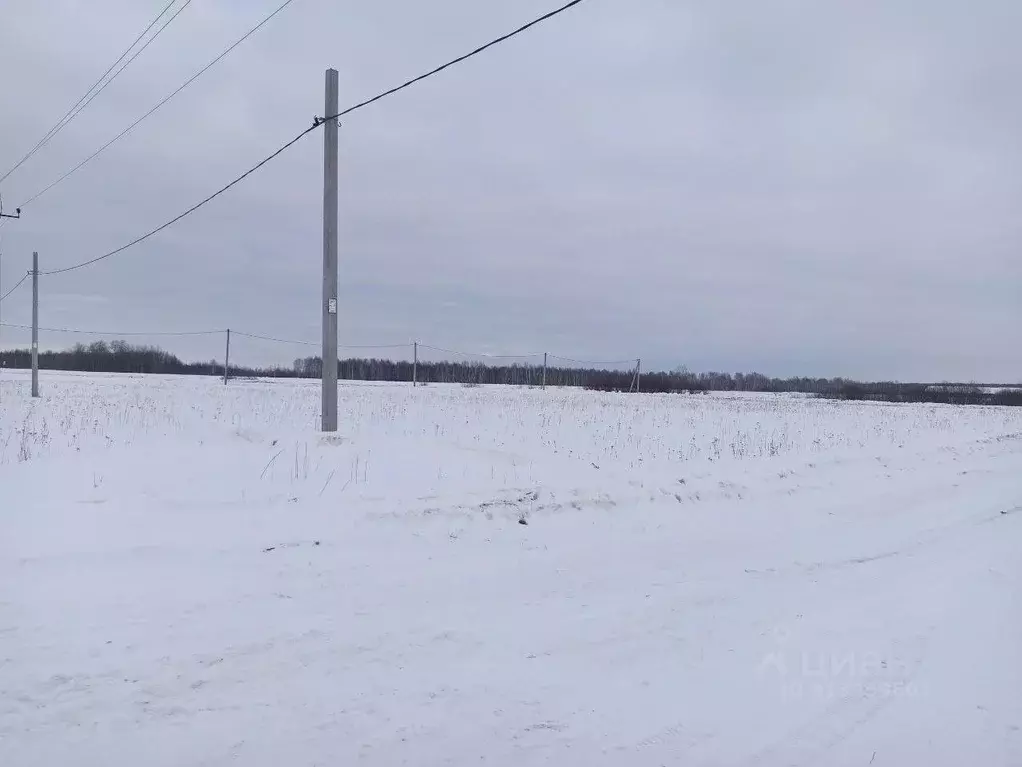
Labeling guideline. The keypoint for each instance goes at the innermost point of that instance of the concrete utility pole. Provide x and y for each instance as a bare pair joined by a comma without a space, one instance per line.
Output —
227,357
415,365
544,369
35,324
638,375
3,216
330,254
7,215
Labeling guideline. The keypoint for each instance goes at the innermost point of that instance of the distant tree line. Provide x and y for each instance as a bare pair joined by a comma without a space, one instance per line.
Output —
948,394
472,373
122,357
113,357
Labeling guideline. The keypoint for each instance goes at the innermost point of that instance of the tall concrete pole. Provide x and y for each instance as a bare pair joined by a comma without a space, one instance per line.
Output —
330,204
227,357
35,324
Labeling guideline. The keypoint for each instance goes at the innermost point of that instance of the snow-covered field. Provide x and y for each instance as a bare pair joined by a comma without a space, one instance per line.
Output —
191,575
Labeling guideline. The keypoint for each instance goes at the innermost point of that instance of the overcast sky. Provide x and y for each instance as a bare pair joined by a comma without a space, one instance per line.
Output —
796,187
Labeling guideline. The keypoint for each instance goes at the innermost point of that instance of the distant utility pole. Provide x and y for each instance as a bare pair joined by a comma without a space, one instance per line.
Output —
544,369
330,203
636,377
1,287
415,365
17,214
227,357
35,324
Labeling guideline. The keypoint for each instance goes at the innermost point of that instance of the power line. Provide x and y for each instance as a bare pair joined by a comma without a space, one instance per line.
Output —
458,60
61,122
134,56
479,354
157,333
27,275
190,333
591,362
188,212
99,86
112,333
373,346
158,106
316,343
274,340
318,122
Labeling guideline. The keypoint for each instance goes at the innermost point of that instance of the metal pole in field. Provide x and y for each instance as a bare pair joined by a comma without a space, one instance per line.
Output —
17,215
330,255
415,365
638,374
227,357
35,324
544,370
1,288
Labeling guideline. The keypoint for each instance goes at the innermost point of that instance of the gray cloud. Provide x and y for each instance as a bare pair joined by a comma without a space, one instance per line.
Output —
796,187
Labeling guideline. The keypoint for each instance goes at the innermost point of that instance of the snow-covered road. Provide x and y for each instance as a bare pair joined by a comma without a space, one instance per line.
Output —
193,582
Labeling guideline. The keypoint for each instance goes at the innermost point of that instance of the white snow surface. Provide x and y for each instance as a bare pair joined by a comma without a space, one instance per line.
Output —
191,575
